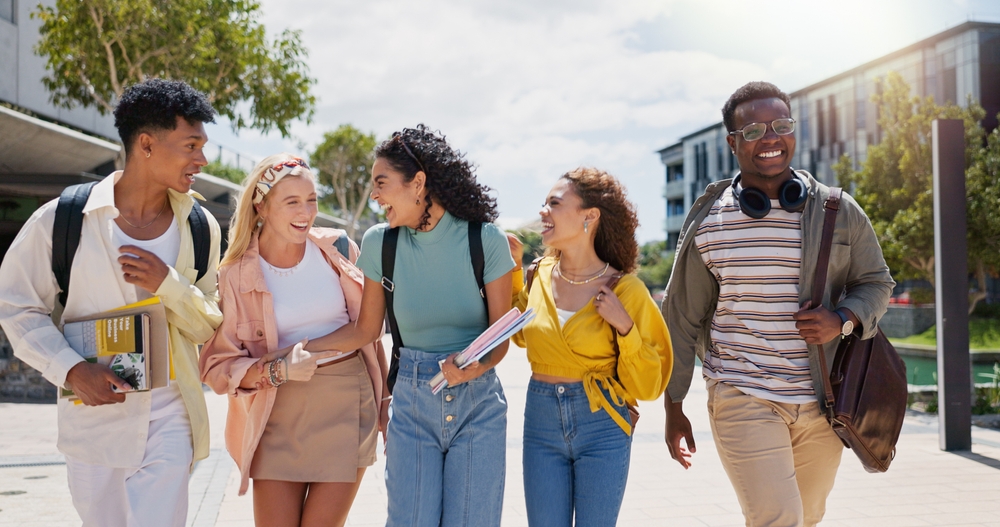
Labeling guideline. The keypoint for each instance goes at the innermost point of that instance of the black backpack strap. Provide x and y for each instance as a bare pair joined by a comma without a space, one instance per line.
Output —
66,232
343,246
201,236
389,239
478,259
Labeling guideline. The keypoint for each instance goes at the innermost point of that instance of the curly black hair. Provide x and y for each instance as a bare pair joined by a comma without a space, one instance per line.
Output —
154,105
614,241
451,179
751,91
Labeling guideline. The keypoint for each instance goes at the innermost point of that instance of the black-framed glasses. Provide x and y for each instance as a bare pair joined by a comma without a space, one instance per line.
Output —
755,131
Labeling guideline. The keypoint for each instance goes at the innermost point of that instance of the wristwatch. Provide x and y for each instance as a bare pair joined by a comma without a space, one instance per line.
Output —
848,327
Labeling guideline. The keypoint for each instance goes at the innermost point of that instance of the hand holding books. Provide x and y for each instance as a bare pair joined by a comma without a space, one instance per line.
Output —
92,384
499,332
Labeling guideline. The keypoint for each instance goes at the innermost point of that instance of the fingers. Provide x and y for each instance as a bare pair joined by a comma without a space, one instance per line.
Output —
118,383
139,252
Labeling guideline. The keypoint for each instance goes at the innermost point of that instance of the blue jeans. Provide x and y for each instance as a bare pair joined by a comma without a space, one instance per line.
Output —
575,460
446,454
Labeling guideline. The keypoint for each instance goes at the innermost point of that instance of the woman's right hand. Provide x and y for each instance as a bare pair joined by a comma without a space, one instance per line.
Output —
300,365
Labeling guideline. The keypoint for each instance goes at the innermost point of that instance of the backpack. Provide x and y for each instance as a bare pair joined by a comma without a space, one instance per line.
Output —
68,227
389,240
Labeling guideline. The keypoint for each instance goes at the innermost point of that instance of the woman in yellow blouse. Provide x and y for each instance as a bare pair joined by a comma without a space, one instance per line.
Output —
577,429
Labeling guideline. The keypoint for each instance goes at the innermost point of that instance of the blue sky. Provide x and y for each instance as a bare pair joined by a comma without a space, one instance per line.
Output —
532,89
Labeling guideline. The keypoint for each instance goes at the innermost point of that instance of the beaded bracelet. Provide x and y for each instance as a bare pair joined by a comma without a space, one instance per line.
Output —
274,372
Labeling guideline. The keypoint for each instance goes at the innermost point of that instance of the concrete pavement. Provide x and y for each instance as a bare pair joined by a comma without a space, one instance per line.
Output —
924,486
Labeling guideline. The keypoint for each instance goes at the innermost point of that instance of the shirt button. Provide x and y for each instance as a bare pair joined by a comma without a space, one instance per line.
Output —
449,398
260,333
560,389
449,418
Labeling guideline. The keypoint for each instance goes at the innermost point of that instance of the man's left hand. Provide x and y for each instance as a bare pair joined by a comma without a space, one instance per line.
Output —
817,325
142,268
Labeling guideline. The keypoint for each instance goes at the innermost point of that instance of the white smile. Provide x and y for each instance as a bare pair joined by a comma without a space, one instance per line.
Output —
301,225
547,226
769,154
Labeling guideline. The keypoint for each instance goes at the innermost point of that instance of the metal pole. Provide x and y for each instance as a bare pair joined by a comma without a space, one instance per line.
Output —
951,273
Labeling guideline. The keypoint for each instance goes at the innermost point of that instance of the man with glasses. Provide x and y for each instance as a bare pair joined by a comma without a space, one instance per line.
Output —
738,298
128,455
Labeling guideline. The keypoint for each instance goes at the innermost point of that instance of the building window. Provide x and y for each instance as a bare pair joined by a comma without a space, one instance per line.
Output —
8,10
675,172
820,124
675,207
833,119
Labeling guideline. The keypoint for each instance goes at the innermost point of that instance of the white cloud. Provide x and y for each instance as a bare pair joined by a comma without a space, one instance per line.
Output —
532,89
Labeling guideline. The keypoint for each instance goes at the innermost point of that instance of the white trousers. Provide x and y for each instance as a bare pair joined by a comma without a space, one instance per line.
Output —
153,495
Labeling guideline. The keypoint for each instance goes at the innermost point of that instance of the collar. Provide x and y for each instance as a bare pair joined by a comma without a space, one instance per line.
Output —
443,227
251,275
103,195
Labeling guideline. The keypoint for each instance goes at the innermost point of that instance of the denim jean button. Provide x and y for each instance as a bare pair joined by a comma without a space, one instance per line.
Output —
561,389
449,418
449,398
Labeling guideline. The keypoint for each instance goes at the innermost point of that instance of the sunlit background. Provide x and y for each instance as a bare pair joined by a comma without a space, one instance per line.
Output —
532,89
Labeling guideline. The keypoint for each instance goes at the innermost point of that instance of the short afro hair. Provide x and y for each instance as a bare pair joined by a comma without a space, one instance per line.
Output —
154,105
751,91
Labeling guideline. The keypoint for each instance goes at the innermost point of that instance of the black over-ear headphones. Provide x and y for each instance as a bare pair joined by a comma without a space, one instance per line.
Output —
754,202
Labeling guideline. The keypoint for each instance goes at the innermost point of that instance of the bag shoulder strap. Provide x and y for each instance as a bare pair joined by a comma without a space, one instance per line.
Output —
832,206
343,246
529,273
614,332
478,260
201,236
66,232
389,239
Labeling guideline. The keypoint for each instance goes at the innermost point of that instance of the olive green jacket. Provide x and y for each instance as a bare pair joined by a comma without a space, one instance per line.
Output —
858,279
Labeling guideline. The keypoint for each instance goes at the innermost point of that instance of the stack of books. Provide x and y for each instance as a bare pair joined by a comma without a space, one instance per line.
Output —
498,333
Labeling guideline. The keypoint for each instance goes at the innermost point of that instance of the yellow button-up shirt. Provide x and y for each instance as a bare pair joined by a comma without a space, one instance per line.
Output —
112,435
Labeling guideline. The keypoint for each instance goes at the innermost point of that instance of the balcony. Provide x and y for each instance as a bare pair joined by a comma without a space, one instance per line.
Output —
674,189
674,223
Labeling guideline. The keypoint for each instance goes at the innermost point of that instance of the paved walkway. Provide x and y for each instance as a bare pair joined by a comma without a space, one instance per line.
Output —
924,486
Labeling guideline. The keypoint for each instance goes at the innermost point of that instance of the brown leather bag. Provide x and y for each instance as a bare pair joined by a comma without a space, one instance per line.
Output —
865,394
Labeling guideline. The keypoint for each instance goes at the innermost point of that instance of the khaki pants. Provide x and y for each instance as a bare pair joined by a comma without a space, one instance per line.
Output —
781,458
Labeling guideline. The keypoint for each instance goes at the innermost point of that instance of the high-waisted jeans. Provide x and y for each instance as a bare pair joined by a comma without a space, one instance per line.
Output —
446,453
575,460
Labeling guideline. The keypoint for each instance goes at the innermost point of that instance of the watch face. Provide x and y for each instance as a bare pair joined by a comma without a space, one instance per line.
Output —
847,328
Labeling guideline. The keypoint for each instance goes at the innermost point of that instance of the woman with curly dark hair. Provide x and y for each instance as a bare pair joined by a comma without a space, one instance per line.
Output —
596,345
445,453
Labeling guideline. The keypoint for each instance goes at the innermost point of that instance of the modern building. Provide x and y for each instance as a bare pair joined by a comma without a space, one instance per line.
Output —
44,149
835,116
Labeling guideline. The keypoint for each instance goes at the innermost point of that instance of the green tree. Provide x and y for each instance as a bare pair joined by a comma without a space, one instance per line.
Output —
894,185
219,169
655,264
96,48
343,160
533,247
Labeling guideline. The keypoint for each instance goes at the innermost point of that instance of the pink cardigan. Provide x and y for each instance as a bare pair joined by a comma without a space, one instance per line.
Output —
248,332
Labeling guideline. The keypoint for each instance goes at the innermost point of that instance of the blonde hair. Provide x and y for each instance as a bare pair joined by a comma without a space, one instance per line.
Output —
244,222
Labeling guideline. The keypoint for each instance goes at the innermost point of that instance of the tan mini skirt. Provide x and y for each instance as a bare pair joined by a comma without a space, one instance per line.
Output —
321,430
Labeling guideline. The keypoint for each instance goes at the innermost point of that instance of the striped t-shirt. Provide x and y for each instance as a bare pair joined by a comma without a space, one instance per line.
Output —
755,345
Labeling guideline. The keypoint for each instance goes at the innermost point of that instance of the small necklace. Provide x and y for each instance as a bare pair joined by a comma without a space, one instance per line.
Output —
279,270
134,226
581,282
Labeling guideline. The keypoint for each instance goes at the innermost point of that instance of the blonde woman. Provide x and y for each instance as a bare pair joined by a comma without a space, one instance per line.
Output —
301,425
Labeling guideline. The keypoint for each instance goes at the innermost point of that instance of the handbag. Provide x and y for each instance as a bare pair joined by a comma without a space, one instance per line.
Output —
633,412
865,394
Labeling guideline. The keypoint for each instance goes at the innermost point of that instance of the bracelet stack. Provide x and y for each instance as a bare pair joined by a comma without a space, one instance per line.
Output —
274,372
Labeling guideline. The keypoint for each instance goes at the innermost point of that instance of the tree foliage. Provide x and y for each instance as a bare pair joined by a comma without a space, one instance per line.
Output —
655,264
219,169
96,48
343,160
894,185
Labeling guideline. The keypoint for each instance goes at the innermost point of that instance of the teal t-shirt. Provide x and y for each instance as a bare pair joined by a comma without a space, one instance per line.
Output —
436,299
